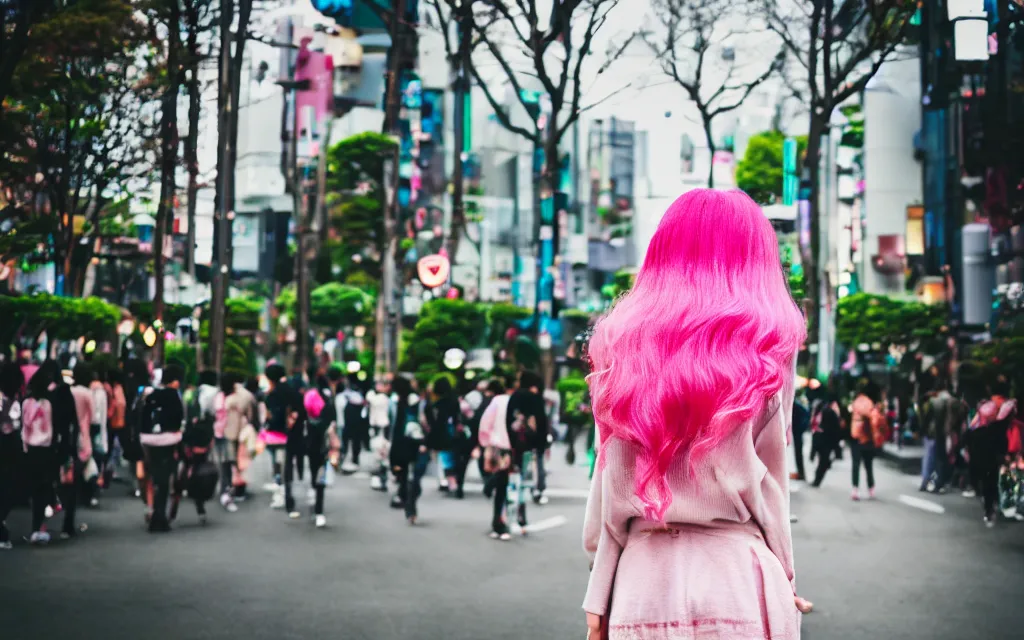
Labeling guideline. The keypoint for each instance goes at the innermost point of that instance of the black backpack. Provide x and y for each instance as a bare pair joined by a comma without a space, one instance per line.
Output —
199,426
153,420
317,436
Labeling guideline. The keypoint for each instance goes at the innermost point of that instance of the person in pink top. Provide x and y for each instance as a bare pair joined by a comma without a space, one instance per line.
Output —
497,456
687,524
76,483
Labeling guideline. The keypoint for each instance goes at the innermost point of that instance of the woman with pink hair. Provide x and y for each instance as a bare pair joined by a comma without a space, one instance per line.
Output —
687,525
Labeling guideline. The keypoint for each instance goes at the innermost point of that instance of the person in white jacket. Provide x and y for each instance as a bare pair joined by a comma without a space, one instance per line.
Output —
381,411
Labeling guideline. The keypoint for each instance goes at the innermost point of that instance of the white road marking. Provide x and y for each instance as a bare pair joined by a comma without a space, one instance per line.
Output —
542,525
922,504
794,486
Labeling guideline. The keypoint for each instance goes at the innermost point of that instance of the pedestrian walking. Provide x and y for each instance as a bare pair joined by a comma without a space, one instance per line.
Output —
446,433
38,439
693,389
286,418
408,455
826,436
380,415
196,473
321,442
498,457
282,408
869,429
527,424
99,431
87,478
12,381
116,422
939,417
988,447
801,424
354,424
160,434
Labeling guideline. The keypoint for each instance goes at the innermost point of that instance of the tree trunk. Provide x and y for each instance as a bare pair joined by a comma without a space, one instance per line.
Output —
382,347
218,280
168,165
192,144
460,87
711,153
811,248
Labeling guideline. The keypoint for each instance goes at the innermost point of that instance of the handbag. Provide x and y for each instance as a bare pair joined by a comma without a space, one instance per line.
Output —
496,460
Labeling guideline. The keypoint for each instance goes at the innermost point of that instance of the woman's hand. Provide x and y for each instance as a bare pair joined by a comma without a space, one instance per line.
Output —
596,629
805,606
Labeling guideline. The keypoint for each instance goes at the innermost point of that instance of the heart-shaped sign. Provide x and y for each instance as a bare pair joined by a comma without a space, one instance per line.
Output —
433,270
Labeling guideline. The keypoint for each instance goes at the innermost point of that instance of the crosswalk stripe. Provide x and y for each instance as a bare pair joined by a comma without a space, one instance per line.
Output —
922,504
542,525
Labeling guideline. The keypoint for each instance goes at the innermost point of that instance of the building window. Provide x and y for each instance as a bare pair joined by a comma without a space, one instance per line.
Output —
915,230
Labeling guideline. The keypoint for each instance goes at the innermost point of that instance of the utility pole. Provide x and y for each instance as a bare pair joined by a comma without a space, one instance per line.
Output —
168,164
385,302
460,87
221,273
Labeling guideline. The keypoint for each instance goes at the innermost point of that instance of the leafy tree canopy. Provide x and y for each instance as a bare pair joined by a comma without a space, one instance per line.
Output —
760,173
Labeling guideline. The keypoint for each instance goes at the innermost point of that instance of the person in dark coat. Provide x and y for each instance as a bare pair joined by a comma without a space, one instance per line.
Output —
409,454
826,435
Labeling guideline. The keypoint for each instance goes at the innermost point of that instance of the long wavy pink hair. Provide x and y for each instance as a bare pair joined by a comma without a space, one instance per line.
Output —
704,339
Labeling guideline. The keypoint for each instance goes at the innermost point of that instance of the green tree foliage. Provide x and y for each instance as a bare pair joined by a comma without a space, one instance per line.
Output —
332,305
879,321
26,317
74,129
443,324
355,169
759,173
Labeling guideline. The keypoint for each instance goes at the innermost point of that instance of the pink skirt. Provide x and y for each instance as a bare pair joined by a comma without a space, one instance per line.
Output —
693,582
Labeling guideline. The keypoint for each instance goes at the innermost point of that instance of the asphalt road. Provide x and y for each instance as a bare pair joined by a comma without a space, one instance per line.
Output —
895,568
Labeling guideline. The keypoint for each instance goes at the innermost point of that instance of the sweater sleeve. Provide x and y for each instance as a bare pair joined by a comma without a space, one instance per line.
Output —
772,510
487,424
602,547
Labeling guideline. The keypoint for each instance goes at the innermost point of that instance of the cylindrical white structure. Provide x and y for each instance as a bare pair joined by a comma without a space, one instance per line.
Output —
978,274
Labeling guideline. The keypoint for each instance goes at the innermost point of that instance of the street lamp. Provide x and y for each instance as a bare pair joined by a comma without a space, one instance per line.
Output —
454,358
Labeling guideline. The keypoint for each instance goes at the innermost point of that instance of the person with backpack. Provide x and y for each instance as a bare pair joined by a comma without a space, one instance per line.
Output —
284,435
11,447
497,456
354,423
409,455
527,424
160,434
446,433
321,442
38,438
195,472
869,430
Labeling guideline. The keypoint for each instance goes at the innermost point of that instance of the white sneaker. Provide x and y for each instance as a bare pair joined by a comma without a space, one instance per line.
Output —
6,546
277,502
321,521
48,512
793,518
542,500
40,537
231,507
969,493
375,483
95,502
271,487
294,515
348,467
